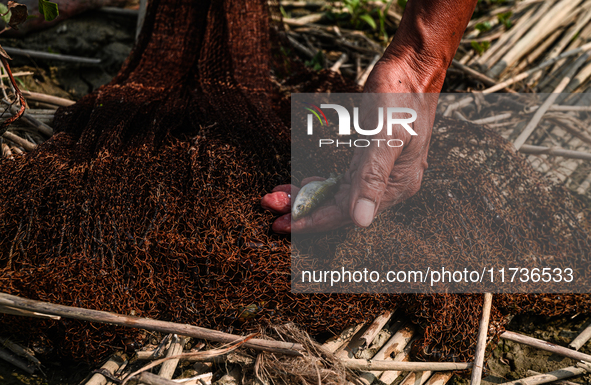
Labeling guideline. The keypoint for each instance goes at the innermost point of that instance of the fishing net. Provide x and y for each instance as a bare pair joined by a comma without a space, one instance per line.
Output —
146,202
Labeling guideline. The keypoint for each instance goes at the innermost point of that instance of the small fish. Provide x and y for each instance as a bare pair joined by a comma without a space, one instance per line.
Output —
312,195
249,311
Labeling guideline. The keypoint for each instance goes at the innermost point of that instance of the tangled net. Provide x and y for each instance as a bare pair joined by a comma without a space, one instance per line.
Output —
146,201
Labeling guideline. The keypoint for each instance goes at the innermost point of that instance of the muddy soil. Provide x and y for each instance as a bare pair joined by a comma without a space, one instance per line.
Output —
93,34
508,361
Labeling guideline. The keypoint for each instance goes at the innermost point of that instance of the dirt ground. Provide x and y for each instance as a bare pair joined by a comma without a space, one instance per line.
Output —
93,34
110,37
509,361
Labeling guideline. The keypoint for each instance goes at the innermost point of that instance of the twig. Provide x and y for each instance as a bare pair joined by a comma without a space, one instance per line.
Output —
494,53
342,60
543,28
490,37
481,343
555,375
199,379
363,78
24,143
569,71
396,344
382,365
558,107
567,125
334,343
48,99
527,131
555,151
581,339
16,74
147,378
439,378
26,313
147,355
543,345
393,348
492,119
416,378
6,152
459,104
301,4
580,78
20,351
209,353
348,350
389,376
560,382
304,20
31,121
110,367
477,75
569,36
527,73
168,367
374,328
18,97
583,37
539,50
50,56
466,58
584,365
300,47
6,356
36,113
146,323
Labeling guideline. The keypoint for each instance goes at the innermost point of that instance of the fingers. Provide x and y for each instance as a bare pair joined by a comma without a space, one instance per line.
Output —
369,183
324,219
407,173
279,201
312,179
282,225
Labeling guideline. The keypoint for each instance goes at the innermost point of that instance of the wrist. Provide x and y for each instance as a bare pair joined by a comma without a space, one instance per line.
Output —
413,71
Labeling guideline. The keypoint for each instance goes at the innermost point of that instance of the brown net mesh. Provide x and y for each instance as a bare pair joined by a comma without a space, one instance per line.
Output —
147,200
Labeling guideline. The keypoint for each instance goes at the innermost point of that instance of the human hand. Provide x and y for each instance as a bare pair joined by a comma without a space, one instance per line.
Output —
378,176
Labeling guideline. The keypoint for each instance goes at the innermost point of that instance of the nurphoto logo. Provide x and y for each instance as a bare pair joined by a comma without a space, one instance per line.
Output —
345,125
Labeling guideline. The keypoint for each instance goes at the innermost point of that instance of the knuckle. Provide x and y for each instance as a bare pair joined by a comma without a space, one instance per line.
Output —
373,179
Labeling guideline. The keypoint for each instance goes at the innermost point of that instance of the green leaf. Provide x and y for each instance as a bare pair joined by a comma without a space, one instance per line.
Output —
4,10
402,4
481,47
369,20
504,18
316,63
483,27
48,10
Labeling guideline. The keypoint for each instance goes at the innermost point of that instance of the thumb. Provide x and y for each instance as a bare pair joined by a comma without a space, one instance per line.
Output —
369,183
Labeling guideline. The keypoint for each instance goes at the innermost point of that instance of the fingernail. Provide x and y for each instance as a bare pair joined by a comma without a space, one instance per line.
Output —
363,212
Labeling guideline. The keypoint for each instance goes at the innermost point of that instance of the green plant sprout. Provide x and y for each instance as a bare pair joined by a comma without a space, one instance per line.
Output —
360,14
317,62
480,47
505,19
